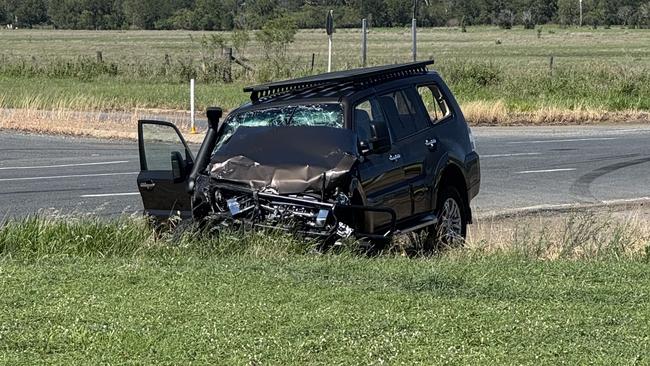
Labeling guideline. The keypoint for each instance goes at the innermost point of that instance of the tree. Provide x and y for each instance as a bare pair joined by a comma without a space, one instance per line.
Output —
208,14
3,12
65,13
398,12
505,19
625,14
542,11
567,12
144,14
30,12
374,11
595,14
259,12
528,19
644,15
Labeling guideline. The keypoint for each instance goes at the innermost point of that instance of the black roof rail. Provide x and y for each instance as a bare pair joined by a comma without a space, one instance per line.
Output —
362,76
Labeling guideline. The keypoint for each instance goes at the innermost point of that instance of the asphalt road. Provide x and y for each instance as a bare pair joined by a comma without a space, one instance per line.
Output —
523,168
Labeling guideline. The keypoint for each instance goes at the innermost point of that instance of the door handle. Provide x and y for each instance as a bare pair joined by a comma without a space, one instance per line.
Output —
148,185
431,143
394,157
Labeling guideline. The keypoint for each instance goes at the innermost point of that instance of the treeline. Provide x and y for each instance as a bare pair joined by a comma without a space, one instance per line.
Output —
253,14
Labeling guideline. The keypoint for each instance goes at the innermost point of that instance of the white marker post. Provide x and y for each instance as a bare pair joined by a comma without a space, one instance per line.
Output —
193,128
330,31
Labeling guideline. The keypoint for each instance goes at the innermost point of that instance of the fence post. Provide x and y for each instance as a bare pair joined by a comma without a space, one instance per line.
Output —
364,42
100,57
551,64
229,58
414,29
192,121
313,60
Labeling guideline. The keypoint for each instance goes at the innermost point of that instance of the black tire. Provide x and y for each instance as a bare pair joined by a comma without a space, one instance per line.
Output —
451,229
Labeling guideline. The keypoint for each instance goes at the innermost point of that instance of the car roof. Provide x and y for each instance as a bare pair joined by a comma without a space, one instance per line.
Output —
330,87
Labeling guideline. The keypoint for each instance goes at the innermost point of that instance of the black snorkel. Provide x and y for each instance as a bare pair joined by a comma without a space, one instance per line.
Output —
203,156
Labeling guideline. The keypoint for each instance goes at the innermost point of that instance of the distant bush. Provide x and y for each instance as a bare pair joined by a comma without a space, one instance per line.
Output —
474,73
505,19
83,68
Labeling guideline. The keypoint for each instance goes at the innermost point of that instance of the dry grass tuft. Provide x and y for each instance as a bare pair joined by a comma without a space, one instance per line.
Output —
496,113
577,235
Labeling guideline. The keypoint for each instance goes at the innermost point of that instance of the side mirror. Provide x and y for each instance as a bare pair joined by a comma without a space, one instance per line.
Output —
214,114
178,166
379,138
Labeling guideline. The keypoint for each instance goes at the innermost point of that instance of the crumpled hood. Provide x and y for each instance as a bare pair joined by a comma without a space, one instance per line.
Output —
288,160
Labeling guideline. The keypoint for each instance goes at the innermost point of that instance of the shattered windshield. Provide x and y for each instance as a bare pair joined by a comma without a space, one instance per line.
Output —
321,115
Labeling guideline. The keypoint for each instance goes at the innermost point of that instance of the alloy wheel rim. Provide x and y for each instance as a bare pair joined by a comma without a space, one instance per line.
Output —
451,221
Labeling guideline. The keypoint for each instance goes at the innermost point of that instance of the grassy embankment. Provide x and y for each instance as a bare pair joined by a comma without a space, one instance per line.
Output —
499,76
80,291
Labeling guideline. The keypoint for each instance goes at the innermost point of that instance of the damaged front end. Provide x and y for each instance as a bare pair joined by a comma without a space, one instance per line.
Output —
303,187
305,215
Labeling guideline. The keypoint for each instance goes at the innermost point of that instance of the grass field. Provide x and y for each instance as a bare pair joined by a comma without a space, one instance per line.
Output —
83,291
499,76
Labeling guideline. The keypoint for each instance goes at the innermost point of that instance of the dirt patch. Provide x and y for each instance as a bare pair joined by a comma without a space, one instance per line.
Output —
111,125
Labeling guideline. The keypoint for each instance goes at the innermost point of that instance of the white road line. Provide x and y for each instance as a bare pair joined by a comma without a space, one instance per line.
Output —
546,171
631,130
110,194
544,207
66,176
625,200
62,165
564,140
509,155
561,206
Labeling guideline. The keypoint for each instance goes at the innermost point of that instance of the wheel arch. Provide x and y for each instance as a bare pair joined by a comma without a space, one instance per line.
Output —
452,175
358,197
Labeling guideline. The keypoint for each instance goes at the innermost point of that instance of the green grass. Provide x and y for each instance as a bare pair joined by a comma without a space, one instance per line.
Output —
84,291
323,310
605,69
107,94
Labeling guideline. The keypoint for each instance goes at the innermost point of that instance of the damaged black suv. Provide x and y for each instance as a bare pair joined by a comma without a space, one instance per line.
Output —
368,153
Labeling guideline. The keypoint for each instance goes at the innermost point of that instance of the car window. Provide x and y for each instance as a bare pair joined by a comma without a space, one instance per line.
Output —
159,142
365,113
400,113
435,102
323,115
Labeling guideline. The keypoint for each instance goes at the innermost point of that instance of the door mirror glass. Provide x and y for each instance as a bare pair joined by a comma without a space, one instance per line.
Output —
158,141
178,166
379,137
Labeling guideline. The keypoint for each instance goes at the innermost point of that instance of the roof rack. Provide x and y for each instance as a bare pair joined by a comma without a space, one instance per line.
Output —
363,76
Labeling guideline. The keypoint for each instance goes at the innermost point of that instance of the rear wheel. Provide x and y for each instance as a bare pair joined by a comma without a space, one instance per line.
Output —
451,229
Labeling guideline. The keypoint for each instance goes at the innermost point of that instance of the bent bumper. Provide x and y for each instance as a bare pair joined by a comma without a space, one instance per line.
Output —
303,215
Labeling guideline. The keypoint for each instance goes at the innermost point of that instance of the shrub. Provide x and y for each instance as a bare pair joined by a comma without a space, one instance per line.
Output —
505,19
275,37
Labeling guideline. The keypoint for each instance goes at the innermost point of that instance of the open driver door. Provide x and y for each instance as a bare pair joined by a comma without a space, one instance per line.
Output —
165,166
